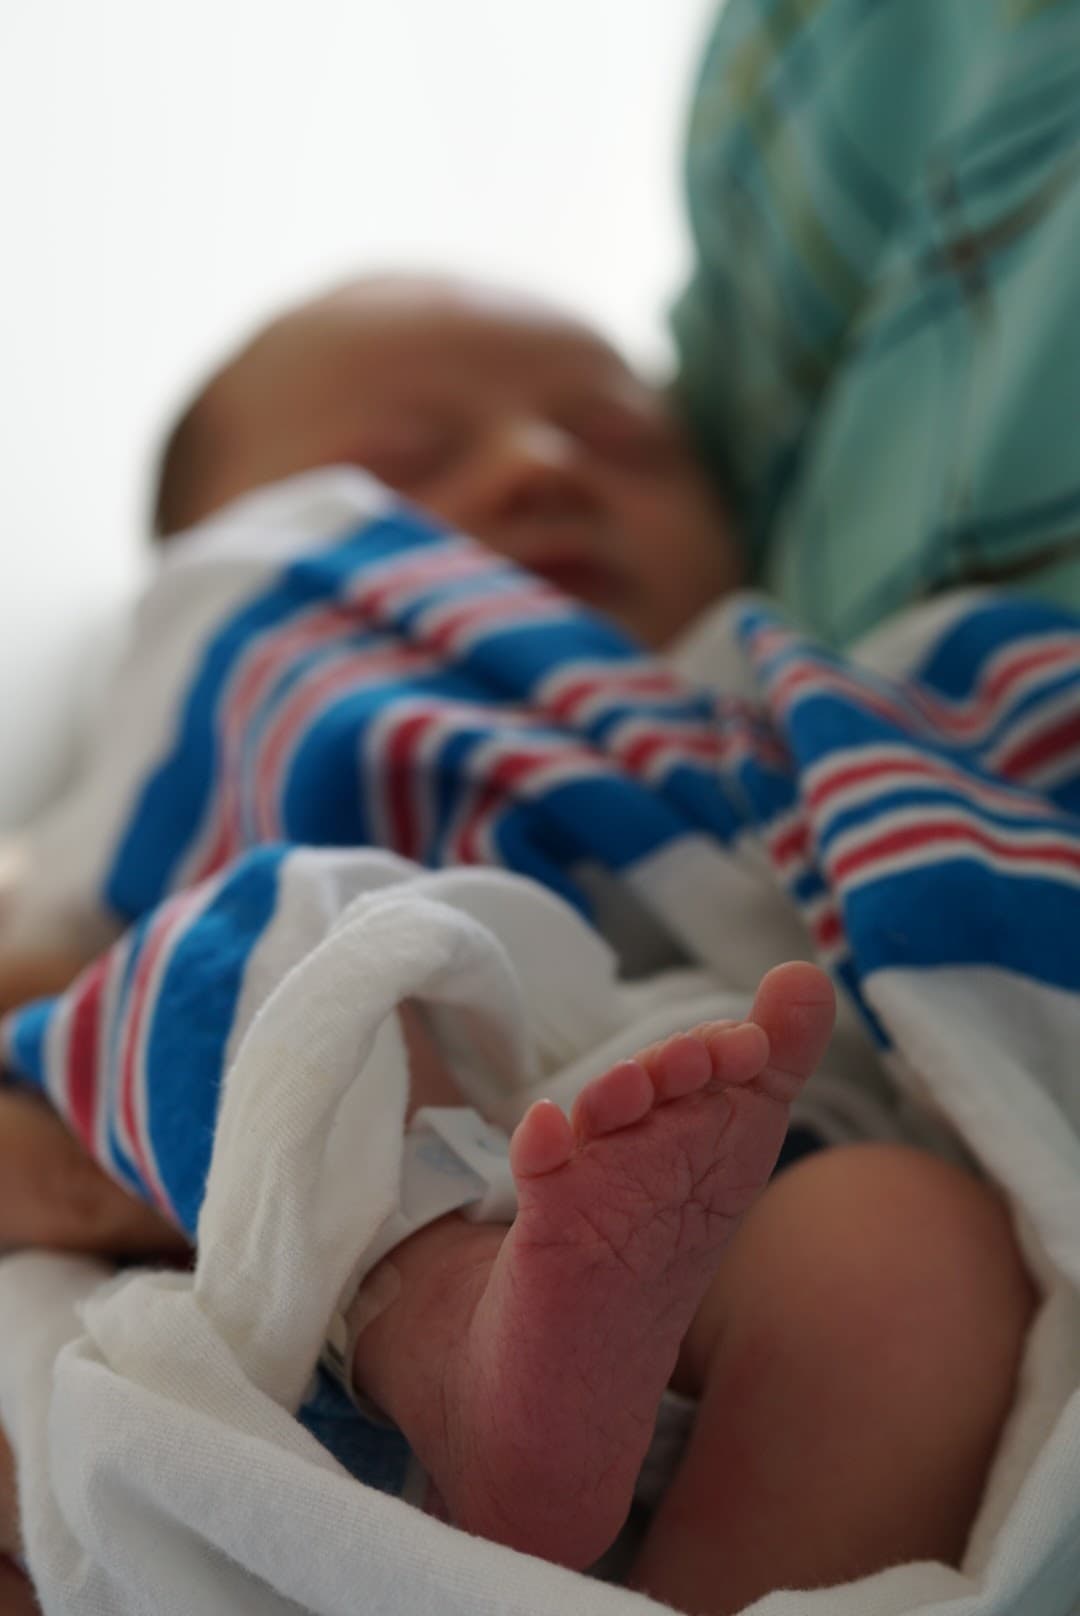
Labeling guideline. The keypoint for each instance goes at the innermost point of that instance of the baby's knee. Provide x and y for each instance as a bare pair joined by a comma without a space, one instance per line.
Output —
903,1259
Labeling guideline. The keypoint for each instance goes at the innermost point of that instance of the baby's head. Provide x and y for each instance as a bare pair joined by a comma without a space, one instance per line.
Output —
511,421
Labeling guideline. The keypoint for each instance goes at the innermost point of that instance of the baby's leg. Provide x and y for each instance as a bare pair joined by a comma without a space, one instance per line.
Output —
855,1359
525,1367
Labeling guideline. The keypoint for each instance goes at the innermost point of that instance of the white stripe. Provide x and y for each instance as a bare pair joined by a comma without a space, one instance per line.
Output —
106,1110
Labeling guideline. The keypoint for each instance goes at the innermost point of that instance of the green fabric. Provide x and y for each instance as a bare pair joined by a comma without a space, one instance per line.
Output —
880,347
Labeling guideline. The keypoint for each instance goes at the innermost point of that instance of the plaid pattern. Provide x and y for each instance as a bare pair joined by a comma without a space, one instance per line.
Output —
880,348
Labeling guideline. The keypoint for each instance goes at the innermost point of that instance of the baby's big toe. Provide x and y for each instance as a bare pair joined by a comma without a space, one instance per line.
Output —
795,1006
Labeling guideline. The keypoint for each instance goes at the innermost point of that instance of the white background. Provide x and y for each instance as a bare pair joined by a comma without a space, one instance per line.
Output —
172,170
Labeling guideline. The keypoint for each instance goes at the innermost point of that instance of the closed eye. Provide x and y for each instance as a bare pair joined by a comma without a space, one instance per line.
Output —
637,439
406,458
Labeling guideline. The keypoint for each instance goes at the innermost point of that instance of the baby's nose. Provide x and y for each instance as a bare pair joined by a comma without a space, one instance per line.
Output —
536,443
528,467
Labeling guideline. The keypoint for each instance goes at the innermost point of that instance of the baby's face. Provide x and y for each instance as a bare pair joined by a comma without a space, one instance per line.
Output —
511,423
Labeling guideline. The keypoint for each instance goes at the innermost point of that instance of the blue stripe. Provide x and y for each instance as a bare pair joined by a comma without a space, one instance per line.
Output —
193,1018
25,1032
954,665
119,1161
960,912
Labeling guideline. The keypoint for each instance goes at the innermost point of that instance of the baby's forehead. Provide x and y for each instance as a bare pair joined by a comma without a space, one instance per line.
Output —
422,306
471,335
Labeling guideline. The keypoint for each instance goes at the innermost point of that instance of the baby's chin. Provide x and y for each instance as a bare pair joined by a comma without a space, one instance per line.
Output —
656,629
642,627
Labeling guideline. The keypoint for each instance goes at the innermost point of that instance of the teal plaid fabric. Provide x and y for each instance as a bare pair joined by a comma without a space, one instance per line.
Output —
880,347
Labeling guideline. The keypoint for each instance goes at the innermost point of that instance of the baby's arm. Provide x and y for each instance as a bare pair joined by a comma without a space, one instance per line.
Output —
29,973
51,1193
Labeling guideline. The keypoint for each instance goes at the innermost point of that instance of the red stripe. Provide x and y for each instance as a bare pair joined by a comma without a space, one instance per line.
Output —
765,642
827,929
902,769
223,848
983,705
503,609
292,719
506,774
928,834
960,719
562,706
272,653
1035,753
273,648
827,682
644,747
857,773
792,844
613,685
83,1075
412,577
1015,667
262,663
400,750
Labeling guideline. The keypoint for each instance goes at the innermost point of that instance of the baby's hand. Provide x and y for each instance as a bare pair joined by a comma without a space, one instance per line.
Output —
52,1195
29,974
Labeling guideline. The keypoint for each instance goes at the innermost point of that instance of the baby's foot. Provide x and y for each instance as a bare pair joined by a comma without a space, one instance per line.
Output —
555,1346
